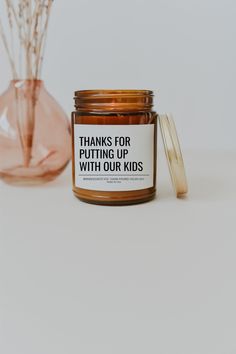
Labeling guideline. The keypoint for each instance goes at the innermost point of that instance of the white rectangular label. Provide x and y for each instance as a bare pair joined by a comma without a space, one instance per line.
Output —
114,157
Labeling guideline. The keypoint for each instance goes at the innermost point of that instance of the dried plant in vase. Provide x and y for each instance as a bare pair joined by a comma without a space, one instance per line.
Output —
34,130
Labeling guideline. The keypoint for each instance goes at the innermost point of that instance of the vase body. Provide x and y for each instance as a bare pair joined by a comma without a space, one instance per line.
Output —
34,134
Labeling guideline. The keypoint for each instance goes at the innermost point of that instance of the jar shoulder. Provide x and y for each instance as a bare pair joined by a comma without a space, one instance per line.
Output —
114,118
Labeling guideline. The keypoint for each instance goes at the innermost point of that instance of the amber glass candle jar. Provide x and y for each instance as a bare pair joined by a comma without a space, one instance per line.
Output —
114,136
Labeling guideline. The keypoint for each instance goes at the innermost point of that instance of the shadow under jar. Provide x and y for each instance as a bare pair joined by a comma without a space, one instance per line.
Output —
114,137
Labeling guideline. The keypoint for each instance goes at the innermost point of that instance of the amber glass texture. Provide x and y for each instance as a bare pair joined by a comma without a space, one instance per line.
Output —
114,107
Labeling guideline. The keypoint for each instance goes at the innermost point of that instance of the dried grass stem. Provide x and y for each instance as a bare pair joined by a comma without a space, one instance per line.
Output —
28,22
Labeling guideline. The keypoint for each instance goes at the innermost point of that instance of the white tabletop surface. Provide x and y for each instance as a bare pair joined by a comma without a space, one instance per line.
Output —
153,278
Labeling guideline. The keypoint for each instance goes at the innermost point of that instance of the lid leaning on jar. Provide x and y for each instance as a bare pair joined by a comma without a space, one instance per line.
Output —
127,100
173,155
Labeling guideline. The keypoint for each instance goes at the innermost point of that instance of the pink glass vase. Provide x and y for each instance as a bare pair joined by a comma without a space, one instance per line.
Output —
35,143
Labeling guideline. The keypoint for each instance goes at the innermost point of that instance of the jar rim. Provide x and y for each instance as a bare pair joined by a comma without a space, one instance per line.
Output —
114,100
116,92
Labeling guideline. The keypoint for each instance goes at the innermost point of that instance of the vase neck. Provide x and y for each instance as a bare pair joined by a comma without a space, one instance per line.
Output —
26,83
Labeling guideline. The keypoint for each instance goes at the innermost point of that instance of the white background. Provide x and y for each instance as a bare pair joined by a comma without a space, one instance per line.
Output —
184,50
153,278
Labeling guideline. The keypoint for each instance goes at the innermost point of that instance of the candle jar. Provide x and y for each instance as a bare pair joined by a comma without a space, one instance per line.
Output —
114,135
